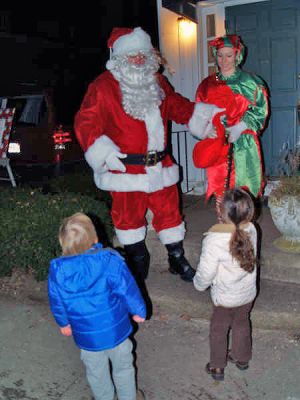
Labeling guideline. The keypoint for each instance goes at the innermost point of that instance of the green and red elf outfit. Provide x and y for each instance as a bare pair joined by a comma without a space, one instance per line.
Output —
244,97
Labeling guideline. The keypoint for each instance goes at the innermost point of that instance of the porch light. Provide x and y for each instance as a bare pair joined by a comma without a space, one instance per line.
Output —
186,28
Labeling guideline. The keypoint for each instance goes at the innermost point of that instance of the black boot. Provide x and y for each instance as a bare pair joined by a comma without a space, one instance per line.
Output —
178,263
138,259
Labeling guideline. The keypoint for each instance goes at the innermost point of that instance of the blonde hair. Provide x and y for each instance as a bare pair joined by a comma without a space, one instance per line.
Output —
76,234
163,61
238,208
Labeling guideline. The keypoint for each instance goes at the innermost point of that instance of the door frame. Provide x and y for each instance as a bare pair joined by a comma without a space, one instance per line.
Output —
216,7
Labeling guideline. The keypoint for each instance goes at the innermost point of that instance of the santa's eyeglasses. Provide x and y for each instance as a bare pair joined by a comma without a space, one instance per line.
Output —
137,59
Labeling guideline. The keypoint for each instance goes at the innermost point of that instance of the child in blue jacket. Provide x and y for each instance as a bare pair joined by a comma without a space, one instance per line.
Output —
92,296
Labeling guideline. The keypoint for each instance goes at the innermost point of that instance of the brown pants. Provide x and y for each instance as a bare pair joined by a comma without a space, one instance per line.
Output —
238,319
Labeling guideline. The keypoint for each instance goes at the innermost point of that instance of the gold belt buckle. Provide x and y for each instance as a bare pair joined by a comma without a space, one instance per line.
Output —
151,158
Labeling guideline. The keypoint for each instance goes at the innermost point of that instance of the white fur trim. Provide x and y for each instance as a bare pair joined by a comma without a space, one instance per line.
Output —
172,235
137,40
198,122
97,153
235,131
156,178
131,236
155,130
110,65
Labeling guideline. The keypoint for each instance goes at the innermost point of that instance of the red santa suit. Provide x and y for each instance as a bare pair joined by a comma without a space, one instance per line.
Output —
103,127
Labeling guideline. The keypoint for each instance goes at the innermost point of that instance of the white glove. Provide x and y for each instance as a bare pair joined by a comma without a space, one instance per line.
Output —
114,163
200,124
208,111
235,131
210,131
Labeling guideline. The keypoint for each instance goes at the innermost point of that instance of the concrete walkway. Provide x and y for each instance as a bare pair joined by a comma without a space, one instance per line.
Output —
38,363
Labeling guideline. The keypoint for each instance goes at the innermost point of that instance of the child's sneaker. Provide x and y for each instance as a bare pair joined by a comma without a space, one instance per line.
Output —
216,373
140,395
239,364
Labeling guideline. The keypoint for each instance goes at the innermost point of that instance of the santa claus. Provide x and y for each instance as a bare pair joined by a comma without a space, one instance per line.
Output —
122,128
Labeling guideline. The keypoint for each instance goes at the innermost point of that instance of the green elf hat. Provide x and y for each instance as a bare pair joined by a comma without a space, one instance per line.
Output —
232,41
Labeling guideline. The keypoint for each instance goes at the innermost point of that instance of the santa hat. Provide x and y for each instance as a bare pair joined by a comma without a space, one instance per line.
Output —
124,41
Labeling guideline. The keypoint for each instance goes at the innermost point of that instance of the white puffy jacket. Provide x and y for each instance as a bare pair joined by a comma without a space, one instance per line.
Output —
231,286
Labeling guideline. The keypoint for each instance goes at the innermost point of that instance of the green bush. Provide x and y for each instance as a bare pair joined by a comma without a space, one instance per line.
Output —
29,226
78,182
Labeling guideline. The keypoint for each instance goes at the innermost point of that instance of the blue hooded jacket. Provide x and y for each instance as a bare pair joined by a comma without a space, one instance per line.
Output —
95,293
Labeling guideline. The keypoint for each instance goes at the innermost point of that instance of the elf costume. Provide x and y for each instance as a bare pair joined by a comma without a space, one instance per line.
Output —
234,157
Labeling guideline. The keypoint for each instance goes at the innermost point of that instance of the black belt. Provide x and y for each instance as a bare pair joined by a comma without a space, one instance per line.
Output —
149,159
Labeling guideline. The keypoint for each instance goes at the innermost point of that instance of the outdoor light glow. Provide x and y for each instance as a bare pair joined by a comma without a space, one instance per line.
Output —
14,148
187,28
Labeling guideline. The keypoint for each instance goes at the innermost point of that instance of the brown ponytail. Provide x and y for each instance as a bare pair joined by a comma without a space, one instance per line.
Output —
242,250
237,207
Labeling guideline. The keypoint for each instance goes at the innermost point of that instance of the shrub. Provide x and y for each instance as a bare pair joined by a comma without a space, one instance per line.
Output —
77,182
29,226
289,179
288,186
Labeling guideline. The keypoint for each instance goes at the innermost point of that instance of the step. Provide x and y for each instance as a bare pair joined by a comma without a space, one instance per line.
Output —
199,216
277,305
274,264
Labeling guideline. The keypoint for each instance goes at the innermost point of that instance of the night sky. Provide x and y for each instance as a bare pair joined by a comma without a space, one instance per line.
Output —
66,49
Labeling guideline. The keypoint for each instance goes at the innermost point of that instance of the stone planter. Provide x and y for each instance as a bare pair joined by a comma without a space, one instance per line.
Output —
285,212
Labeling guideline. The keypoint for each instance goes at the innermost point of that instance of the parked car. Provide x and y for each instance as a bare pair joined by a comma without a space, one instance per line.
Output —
37,136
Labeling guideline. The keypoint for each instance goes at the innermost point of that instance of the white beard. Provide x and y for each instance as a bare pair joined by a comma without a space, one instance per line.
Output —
140,90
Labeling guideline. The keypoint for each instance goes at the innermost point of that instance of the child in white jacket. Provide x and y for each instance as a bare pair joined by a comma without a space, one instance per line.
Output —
228,265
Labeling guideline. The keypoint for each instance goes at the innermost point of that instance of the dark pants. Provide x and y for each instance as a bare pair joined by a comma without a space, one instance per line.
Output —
238,319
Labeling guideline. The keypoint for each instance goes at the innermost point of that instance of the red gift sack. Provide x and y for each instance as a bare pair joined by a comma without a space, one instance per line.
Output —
210,152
